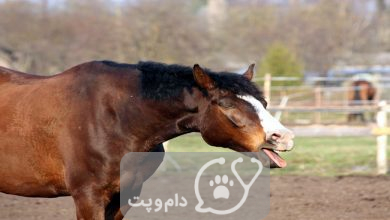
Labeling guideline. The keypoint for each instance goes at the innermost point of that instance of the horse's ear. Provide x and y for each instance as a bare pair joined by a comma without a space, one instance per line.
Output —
202,78
249,73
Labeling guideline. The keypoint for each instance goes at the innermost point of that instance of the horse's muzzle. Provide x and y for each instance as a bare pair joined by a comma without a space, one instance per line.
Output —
282,140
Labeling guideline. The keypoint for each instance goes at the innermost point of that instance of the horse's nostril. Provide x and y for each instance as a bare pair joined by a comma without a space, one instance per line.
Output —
275,136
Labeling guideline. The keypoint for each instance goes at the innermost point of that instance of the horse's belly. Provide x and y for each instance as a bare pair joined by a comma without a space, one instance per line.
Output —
30,163
28,172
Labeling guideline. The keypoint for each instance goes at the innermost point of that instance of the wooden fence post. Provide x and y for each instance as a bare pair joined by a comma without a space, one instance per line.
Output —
318,103
267,87
283,103
381,155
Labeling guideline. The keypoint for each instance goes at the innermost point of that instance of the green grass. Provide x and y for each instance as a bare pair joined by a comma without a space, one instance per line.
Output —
323,156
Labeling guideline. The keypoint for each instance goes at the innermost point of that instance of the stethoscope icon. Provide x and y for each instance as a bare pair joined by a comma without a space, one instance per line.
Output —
246,187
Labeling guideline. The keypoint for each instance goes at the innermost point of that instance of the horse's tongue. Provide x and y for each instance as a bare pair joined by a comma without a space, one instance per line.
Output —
275,158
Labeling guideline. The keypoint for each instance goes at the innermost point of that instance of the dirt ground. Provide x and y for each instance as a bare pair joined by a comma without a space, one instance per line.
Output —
292,197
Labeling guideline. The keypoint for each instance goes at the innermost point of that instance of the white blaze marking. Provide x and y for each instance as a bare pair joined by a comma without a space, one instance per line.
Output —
269,123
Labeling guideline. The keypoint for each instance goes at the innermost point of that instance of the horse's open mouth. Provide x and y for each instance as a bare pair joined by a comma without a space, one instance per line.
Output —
275,160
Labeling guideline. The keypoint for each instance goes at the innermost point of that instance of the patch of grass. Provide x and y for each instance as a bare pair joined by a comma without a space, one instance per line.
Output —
323,156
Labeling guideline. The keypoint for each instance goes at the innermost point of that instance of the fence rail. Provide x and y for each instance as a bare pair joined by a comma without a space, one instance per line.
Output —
312,79
346,109
381,131
308,104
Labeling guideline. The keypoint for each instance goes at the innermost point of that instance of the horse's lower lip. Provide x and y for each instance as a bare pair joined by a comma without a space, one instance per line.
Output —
275,159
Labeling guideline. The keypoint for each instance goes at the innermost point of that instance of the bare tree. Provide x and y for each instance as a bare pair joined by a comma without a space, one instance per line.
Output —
47,38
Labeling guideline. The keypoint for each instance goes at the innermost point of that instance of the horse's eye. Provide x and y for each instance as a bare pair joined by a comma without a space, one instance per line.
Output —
225,103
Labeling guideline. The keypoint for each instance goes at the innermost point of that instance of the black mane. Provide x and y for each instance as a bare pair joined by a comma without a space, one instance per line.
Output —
161,81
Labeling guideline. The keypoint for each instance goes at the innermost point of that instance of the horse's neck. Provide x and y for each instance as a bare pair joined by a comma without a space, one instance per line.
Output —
173,119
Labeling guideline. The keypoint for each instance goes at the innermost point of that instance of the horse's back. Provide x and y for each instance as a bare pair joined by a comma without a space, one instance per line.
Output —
14,76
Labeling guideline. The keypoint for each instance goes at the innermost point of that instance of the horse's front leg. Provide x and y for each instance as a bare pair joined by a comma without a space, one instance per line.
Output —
114,210
89,204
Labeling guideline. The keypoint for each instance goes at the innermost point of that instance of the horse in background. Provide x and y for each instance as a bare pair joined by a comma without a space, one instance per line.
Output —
361,93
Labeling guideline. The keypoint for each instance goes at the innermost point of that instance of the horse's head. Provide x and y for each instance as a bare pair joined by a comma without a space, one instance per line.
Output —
232,119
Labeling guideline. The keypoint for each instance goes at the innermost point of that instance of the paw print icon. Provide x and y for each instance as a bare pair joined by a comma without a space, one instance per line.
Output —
221,191
222,184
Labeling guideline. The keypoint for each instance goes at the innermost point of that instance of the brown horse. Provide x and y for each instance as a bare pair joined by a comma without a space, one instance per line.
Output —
66,134
362,92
